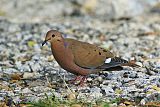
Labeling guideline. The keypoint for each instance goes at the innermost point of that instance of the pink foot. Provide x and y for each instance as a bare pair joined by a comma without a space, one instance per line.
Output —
78,78
82,81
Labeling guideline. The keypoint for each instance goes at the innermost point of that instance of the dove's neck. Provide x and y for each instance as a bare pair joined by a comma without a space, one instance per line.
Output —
58,46
59,50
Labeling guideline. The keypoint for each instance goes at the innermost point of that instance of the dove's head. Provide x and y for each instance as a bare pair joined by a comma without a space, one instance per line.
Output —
52,35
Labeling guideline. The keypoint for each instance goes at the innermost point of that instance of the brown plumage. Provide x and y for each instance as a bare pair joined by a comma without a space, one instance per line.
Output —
81,58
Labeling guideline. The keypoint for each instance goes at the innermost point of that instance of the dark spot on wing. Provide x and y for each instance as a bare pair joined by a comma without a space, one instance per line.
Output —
104,50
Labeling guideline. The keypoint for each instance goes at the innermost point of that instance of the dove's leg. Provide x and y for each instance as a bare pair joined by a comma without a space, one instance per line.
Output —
77,78
82,80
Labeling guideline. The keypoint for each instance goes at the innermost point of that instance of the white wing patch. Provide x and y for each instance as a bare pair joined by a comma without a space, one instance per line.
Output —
108,60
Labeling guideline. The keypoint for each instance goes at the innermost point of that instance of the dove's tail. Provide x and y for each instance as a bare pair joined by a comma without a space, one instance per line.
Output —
116,62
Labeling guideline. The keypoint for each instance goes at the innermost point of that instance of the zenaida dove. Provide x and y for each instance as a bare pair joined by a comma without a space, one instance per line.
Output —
81,58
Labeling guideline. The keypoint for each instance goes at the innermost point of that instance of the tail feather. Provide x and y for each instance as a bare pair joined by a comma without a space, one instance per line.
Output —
117,61
131,63
117,68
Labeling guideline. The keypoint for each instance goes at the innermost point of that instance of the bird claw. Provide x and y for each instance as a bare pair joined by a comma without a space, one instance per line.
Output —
80,79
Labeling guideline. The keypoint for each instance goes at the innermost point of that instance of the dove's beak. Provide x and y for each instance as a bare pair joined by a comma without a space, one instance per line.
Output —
44,42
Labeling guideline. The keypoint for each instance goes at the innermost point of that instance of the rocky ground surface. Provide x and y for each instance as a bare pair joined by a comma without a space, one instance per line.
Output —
28,71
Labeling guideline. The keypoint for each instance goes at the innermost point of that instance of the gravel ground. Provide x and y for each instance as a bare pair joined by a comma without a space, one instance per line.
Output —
28,71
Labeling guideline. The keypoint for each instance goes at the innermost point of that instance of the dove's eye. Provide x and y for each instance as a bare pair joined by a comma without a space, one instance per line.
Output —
53,35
